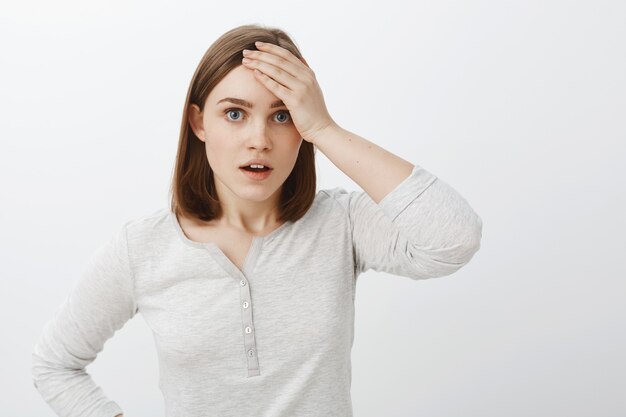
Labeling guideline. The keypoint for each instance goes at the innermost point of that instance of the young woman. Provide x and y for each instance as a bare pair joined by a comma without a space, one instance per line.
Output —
248,279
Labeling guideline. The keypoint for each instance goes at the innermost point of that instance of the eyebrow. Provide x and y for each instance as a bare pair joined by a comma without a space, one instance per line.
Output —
246,103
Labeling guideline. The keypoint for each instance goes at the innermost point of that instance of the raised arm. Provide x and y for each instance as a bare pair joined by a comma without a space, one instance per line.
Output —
407,221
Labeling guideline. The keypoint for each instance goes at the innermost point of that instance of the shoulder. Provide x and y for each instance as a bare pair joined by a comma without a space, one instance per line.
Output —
150,226
345,200
336,195
333,201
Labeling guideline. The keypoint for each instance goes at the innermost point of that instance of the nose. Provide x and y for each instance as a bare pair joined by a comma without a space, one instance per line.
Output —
259,138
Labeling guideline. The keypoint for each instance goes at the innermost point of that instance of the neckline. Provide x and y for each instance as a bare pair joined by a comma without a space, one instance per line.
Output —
271,235
220,257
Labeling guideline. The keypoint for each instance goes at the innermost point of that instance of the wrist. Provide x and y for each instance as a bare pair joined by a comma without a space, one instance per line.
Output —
323,132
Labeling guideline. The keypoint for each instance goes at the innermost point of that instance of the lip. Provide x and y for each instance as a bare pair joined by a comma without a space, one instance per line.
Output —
258,161
257,176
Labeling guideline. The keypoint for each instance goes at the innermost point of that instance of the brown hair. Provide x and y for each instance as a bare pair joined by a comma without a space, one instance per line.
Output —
192,190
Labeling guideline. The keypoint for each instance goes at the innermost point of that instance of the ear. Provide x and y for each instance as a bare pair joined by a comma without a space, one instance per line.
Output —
195,121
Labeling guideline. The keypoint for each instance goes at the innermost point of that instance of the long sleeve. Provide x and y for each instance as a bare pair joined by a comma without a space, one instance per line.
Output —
99,304
422,229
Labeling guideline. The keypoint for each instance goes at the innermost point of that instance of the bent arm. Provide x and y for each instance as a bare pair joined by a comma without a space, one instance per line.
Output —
100,303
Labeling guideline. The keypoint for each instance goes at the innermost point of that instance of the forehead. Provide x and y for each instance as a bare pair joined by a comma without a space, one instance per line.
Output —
241,83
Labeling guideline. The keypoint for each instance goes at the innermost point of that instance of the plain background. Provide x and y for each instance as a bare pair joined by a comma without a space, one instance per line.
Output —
519,105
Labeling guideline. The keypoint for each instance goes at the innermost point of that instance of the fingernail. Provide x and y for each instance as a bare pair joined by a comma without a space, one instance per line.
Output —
259,43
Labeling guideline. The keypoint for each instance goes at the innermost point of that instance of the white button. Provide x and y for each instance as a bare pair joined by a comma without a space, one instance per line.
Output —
251,352
242,282
245,304
248,329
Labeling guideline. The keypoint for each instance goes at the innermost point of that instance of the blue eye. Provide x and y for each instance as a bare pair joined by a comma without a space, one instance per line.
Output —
284,112
231,111
236,110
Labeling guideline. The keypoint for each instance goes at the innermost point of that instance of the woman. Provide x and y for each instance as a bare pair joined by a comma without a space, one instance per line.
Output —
248,279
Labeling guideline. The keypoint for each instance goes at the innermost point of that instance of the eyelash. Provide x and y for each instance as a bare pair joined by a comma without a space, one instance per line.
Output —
243,111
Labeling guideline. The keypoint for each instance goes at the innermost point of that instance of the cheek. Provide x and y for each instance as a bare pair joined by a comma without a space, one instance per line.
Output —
218,153
297,143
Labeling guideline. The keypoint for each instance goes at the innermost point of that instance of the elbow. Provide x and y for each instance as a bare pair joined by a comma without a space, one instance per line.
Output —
475,234
452,258
39,369
49,377
440,261
435,263
470,244
36,371
43,369
467,252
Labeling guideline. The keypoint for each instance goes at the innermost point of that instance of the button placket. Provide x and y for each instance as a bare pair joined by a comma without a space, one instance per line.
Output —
248,329
241,279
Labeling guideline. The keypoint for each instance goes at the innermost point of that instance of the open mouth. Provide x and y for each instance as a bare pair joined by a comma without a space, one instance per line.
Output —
256,173
256,169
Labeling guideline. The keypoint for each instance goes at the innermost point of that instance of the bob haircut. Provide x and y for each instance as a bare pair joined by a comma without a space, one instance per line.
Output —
192,190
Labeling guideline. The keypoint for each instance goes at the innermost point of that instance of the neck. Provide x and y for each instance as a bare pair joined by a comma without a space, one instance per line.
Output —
254,217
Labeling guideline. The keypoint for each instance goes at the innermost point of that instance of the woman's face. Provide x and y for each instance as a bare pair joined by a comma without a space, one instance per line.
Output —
234,133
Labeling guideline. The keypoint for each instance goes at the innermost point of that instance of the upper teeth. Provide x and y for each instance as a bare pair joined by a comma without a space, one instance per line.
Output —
257,166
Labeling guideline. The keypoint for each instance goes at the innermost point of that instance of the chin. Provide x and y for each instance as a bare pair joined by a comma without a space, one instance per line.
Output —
257,192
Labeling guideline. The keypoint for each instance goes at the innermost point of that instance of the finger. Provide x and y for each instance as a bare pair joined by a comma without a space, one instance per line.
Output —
295,70
285,54
277,74
277,50
276,88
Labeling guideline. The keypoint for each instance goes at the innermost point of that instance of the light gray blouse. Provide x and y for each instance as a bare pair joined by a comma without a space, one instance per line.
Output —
273,339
